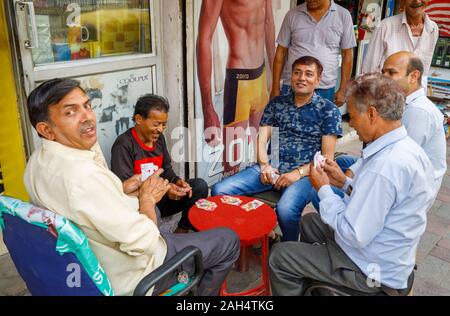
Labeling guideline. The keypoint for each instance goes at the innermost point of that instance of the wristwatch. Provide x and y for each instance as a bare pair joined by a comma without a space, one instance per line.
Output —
300,170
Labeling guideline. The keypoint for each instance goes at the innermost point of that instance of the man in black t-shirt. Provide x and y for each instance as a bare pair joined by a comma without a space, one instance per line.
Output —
143,147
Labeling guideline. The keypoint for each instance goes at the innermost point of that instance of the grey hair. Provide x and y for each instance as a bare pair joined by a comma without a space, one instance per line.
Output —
381,92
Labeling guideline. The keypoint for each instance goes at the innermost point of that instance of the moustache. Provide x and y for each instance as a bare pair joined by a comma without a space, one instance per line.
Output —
87,126
417,5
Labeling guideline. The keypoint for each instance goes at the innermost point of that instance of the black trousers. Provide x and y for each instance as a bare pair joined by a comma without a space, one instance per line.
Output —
168,207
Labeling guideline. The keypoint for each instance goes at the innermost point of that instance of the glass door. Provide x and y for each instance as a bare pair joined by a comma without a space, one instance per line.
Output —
111,46
64,31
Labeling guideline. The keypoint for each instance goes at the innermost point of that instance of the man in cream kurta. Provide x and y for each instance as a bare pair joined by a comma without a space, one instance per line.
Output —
88,194
68,175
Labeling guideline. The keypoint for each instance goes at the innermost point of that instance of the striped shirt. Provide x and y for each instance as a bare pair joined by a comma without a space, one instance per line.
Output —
439,12
394,35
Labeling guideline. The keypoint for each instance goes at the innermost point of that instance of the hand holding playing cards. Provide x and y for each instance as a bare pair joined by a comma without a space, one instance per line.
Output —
318,177
334,173
154,188
179,189
184,186
132,185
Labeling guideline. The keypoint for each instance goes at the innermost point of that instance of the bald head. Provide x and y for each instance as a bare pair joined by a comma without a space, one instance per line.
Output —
405,68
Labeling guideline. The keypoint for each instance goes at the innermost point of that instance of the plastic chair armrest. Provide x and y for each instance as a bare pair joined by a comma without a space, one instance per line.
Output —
168,267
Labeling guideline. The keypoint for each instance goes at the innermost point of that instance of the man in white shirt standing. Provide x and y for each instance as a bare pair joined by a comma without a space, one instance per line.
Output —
411,31
69,176
366,241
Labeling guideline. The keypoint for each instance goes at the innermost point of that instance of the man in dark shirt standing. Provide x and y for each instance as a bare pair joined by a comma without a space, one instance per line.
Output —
143,147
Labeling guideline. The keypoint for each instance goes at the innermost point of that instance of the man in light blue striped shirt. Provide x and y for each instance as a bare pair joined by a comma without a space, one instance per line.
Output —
366,241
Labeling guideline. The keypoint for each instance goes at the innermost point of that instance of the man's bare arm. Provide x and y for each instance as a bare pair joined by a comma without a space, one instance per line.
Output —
329,146
270,33
265,132
278,65
209,16
346,73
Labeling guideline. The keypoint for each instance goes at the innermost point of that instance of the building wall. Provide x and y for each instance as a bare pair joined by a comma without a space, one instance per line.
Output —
173,51
12,152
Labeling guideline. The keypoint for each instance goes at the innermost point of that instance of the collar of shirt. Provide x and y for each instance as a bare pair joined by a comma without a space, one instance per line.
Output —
59,149
415,95
427,25
384,141
314,99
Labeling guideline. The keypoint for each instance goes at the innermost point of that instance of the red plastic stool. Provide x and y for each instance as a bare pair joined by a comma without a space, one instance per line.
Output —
252,227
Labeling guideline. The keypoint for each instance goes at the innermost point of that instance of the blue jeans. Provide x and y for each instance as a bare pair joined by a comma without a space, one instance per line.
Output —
344,162
290,206
324,93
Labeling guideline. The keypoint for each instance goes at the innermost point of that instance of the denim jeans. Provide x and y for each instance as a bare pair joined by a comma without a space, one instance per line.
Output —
344,162
324,93
290,206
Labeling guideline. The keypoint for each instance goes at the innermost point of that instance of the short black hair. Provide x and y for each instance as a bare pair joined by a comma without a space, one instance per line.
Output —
47,94
309,60
150,102
415,64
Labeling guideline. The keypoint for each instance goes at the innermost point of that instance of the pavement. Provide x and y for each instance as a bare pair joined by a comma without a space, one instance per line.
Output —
433,255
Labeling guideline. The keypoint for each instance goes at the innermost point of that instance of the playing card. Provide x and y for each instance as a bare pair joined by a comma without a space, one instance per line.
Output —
231,200
252,205
147,170
206,205
275,176
319,160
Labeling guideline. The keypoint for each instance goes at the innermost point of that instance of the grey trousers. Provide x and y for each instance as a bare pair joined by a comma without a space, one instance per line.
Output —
318,257
220,250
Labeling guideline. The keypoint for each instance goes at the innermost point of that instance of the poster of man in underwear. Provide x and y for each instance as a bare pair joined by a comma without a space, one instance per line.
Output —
234,51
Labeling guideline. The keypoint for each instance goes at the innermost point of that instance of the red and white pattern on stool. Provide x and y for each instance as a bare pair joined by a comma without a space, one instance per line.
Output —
439,12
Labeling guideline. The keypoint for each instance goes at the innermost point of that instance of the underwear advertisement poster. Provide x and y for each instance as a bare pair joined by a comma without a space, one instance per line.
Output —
234,42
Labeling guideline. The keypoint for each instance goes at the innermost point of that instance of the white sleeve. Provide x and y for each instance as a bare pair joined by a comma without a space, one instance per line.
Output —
360,220
373,58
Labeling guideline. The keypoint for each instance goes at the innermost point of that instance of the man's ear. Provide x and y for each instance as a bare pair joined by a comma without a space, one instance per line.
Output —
45,130
372,113
413,77
138,119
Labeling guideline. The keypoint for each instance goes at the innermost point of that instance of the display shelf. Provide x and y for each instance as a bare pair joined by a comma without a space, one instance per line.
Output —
439,92
439,83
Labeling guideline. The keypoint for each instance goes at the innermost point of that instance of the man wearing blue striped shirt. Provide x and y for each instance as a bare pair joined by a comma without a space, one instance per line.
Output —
366,241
